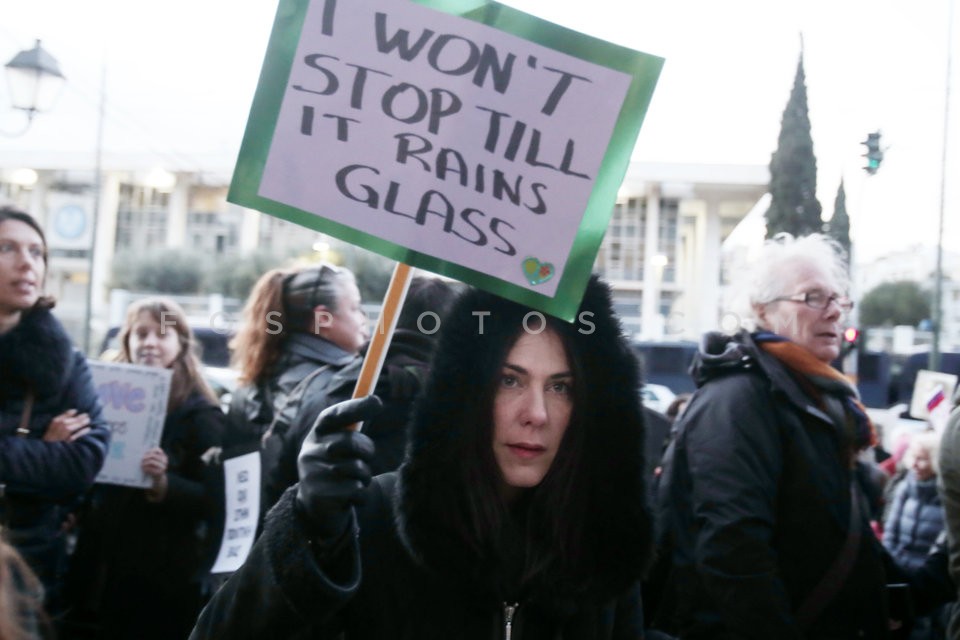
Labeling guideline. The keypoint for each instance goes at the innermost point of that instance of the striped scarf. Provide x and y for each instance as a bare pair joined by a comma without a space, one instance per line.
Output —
819,378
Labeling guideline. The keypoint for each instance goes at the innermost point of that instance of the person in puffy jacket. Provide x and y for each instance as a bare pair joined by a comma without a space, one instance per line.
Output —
760,498
519,511
53,437
915,517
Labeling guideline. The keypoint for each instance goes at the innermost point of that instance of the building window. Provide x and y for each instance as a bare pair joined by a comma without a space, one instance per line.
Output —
141,218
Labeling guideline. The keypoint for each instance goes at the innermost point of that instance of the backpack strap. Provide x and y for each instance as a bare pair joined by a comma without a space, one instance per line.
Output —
831,582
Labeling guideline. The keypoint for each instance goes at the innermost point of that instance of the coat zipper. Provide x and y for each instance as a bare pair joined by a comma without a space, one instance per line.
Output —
509,611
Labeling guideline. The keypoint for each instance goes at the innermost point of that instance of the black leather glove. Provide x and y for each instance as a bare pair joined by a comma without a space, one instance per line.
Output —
334,467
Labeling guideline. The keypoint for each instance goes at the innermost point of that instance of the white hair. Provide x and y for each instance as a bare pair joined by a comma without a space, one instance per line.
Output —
767,277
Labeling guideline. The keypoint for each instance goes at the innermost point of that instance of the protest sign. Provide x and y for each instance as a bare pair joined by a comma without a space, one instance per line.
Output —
134,400
487,146
242,482
931,397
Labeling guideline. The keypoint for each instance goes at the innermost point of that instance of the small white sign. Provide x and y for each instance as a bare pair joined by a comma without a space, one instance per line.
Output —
242,481
134,400
931,397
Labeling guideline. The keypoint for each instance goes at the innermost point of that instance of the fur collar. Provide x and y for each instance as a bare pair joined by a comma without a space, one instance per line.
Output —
429,489
36,354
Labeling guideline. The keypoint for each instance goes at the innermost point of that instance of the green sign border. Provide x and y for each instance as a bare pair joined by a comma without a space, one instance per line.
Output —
644,70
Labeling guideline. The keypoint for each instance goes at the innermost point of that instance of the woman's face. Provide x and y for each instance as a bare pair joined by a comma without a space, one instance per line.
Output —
819,330
22,267
151,344
347,326
531,410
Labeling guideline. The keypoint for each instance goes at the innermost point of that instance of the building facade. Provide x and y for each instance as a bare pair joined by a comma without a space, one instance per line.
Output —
661,251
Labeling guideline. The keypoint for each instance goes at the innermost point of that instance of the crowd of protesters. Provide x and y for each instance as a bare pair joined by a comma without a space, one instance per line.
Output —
506,482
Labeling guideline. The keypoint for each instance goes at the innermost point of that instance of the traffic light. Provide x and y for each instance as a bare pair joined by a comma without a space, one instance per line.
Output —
874,154
851,340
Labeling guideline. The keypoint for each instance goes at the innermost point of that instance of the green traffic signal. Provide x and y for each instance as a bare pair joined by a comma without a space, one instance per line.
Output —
874,154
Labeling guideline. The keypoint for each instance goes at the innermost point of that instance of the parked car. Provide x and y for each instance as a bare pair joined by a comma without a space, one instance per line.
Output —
656,397
667,363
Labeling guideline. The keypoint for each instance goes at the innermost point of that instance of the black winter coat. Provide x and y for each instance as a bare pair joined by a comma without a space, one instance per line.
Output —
146,560
756,499
39,480
406,573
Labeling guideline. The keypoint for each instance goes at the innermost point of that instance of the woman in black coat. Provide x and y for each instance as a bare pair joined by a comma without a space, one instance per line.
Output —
519,509
143,553
53,437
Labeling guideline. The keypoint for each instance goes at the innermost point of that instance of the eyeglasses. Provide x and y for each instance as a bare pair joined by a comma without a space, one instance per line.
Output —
819,300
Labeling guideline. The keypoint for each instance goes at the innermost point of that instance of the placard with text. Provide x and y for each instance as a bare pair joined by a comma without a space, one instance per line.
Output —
134,400
476,141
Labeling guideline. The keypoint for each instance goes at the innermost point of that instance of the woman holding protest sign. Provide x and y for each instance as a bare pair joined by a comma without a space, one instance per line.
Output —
143,553
519,509
53,437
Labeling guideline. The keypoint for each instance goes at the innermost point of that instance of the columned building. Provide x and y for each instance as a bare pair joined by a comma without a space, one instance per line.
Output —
661,251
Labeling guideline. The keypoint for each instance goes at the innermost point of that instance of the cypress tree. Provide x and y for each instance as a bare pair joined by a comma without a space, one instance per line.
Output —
793,169
839,226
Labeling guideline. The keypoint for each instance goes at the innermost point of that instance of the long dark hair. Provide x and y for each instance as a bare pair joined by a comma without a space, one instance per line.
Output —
548,533
186,378
8,212
568,535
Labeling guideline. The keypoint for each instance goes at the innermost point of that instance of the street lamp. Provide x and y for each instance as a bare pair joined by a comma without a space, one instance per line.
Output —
35,80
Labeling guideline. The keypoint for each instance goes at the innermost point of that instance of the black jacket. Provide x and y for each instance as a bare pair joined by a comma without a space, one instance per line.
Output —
756,499
253,406
407,575
401,379
160,548
38,480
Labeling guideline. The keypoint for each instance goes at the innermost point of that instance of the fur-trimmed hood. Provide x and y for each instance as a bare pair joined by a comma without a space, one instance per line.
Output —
432,496
36,354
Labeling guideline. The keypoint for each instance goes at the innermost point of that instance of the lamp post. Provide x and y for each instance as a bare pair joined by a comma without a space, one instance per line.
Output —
35,80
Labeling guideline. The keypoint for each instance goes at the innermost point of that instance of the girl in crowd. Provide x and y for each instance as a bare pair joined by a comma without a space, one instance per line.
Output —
53,437
144,552
519,510
300,327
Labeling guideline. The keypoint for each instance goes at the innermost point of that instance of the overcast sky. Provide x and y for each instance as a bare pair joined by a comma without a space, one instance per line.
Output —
180,76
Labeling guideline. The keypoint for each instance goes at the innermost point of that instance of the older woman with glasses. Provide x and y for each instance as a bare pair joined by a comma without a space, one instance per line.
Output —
761,501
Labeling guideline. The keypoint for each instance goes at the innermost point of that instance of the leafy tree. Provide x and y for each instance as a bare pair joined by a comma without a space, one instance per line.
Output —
793,169
234,275
839,226
895,303
172,271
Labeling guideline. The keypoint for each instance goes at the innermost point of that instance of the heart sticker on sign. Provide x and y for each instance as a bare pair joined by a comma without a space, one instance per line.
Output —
537,272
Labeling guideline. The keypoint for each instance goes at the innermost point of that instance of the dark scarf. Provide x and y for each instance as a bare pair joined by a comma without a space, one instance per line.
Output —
820,380
34,356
